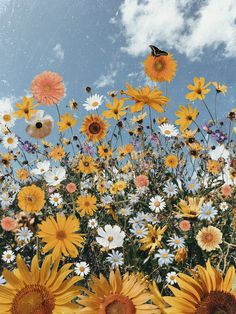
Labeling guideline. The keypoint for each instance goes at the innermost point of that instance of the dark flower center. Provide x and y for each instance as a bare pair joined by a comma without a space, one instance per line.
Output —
217,302
94,128
38,125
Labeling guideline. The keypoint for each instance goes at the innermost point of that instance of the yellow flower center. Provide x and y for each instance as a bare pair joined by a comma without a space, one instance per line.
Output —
110,238
47,88
157,203
10,140
208,237
139,231
117,304
167,132
6,117
33,299
95,104
164,255
82,269
158,65
61,235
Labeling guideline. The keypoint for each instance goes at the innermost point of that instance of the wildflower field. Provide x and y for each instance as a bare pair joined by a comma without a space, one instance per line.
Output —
126,211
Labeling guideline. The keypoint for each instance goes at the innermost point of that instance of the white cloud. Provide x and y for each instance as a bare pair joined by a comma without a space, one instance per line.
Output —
108,79
7,103
59,52
183,25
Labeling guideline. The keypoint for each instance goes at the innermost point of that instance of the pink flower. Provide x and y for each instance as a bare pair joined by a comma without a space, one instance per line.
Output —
185,225
8,224
226,190
141,181
71,187
48,88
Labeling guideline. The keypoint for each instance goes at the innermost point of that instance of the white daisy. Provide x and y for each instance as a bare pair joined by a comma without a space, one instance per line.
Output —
7,119
170,189
168,130
115,259
171,277
164,257
92,223
139,231
93,102
133,198
55,199
8,256
42,167
24,234
176,242
2,280
125,211
111,237
82,269
55,176
224,206
192,185
207,212
10,141
157,203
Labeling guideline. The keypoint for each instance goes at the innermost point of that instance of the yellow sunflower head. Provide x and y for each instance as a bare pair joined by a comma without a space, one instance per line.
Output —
38,290
94,127
208,293
127,295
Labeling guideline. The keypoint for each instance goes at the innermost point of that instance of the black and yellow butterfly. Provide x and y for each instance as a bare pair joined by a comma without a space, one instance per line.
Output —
157,52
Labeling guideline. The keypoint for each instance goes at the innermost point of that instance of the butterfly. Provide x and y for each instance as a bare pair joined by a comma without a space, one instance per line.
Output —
157,52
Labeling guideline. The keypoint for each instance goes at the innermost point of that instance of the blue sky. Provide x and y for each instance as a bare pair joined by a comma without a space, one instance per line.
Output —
102,43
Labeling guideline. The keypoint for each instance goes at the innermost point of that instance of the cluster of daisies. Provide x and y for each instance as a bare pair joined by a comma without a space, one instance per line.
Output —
122,205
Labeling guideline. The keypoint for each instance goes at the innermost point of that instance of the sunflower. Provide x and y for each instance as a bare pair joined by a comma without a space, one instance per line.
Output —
186,116
66,122
127,295
61,236
31,198
86,204
209,238
38,290
86,165
198,90
153,239
206,294
26,110
157,298
191,207
57,153
160,69
104,151
151,97
94,127
195,149
116,110
171,161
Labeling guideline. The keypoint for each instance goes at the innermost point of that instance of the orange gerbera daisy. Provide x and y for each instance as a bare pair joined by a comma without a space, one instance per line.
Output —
48,88
94,127
31,198
160,69
151,97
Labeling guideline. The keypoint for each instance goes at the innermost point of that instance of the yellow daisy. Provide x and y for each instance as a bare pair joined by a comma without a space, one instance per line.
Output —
26,110
160,69
116,110
191,207
86,204
61,236
153,239
186,116
146,96
67,122
198,90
